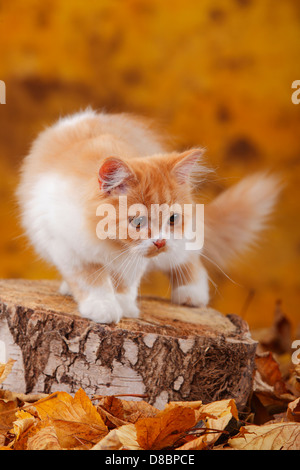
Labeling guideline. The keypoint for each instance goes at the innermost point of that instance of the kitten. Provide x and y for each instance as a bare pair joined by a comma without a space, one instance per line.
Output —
90,159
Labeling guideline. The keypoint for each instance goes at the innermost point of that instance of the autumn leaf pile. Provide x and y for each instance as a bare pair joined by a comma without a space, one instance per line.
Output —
59,421
62,422
216,74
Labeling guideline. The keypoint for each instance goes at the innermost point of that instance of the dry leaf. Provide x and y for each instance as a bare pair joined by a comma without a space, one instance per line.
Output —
44,438
195,444
122,438
128,436
5,369
22,397
195,405
25,421
110,442
119,412
217,416
219,409
294,381
269,372
7,415
293,411
275,436
166,428
76,420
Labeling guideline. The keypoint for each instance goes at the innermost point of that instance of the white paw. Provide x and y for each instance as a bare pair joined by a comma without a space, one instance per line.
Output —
64,288
191,295
128,305
101,310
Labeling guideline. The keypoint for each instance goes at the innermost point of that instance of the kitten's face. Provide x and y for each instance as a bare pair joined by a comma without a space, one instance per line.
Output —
149,198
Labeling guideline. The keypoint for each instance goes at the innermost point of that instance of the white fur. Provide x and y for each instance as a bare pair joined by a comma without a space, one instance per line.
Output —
54,221
73,119
64,288
101,306
195,294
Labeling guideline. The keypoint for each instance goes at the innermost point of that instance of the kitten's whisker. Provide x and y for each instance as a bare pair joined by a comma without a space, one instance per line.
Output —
214,284
217,266
100,270
123,268
187,275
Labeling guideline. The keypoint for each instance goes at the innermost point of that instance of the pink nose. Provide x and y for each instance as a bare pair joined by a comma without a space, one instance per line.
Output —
159,243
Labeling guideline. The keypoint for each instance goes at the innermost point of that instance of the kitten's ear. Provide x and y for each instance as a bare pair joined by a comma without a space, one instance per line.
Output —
187,163
114,174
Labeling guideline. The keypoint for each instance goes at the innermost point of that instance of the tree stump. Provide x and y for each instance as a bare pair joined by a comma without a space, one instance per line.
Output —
170,353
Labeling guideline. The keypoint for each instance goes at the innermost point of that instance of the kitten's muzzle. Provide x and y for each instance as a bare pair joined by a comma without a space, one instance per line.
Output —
159,243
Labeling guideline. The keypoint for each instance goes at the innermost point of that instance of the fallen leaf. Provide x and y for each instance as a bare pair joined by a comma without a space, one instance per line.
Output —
22,397
293,411
166,428
275,436
43,438
293,383
217,417
219,409
125,437
76,420
25,421
194,405
110,442
120,412
269,371
195,444
272,403
260,413
7,415
128,437
5,369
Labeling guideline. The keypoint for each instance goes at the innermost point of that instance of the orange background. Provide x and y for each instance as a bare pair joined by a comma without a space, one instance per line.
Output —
213,73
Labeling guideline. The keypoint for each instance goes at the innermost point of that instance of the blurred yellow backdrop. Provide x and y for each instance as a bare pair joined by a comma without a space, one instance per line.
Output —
212,72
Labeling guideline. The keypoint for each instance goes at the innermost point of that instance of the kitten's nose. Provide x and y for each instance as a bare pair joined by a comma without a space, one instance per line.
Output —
159,243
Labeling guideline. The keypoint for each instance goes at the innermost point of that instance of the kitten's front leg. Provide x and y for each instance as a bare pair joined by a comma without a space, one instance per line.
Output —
126,285
190,284
95,295
126,294
127,301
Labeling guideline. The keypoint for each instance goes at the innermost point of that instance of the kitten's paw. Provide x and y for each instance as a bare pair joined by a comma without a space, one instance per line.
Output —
190,295
128,306
104,310
64,288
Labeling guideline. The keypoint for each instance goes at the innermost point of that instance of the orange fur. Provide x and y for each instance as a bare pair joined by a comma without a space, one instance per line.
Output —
235,218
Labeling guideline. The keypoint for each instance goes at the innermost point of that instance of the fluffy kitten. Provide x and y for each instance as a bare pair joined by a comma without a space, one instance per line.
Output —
90,159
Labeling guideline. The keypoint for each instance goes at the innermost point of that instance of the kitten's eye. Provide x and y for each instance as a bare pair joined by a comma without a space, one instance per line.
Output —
139,222
173,219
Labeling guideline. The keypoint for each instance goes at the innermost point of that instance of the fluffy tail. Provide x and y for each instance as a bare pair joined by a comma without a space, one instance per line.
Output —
234,219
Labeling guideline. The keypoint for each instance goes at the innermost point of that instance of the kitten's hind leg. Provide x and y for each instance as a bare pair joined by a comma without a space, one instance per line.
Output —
190,284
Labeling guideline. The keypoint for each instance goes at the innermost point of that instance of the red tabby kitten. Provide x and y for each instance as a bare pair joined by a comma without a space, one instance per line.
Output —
89,162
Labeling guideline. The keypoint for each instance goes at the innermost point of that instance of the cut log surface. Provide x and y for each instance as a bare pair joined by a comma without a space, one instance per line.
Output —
170,353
